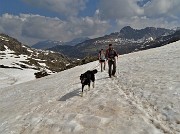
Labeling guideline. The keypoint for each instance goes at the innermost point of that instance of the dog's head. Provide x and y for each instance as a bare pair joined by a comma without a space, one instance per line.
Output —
82,78
94,71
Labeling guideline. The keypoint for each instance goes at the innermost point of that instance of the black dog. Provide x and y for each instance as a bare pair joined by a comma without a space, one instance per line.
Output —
87,77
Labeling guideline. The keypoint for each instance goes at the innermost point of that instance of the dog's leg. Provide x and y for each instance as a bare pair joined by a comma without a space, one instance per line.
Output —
93,80
82,90
93,85
89,87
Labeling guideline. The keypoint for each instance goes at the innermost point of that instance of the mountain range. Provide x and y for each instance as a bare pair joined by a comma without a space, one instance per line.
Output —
46,44
125,41
50,43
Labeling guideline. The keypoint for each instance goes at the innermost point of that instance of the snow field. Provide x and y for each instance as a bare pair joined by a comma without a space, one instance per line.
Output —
143,99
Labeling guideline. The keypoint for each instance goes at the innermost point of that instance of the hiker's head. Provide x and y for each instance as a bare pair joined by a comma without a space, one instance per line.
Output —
102,50
110,46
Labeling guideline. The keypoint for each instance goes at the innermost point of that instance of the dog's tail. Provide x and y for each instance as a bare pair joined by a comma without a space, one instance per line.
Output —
94,71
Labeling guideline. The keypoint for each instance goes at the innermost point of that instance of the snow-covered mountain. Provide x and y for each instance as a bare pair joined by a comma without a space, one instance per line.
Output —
160,41
142,34
19,63
126,41
143,99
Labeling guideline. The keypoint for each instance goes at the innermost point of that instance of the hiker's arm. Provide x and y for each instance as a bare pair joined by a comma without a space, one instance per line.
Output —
99,56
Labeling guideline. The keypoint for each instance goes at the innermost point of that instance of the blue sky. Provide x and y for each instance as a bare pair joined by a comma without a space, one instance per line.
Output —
31,21
16,7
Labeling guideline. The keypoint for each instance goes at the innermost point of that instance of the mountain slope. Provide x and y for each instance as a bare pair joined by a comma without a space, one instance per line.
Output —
161,41
69,51
143,99
19,63
46,44
76,41
50,44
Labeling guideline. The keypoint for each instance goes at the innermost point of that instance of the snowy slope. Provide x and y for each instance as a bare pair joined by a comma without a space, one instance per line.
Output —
143,99
15,74
19,63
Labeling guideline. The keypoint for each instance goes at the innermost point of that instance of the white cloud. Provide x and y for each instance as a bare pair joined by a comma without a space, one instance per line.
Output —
32,28
116,9
162,8
54,28
10,24
155,13
63,7
35,27
89,26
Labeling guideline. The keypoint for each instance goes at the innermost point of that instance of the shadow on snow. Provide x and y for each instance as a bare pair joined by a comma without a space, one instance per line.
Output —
72,94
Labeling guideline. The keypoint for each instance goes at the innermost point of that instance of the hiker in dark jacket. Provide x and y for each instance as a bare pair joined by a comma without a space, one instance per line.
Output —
102,59
110,56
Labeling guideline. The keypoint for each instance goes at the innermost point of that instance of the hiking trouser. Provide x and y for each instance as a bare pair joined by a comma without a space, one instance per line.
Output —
111,63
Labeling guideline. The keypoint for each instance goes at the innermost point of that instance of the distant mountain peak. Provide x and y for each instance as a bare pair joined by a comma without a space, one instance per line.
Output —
126,28
136,34
76,41
46,44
